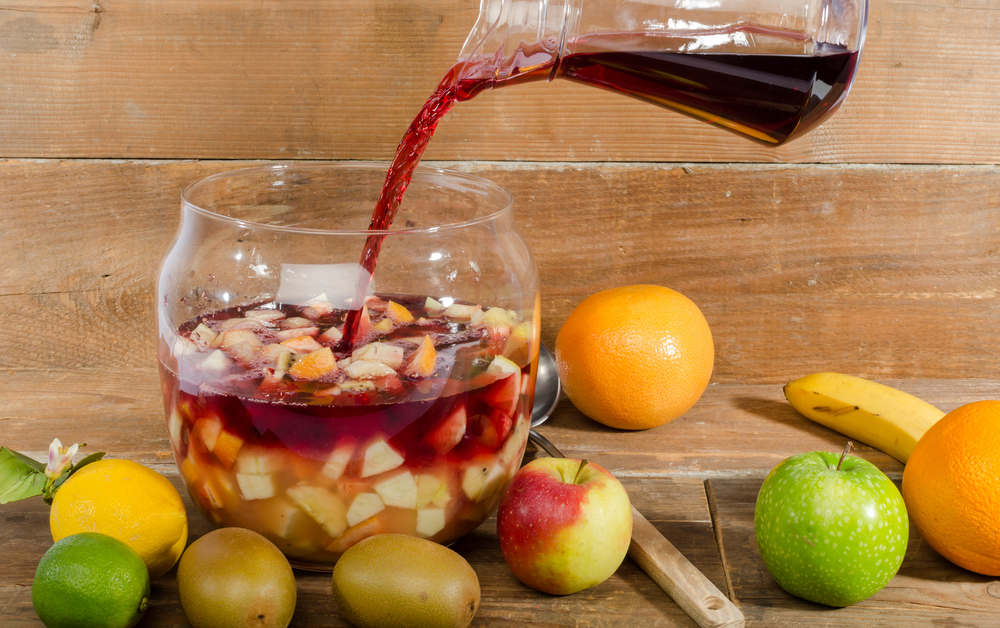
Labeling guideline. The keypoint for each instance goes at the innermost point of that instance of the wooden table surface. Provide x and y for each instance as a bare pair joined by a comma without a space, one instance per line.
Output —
870,246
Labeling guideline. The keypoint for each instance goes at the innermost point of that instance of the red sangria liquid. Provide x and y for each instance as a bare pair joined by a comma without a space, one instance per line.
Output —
415,431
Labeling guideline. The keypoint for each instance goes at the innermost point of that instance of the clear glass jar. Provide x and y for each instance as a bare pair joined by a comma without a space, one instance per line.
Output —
414,429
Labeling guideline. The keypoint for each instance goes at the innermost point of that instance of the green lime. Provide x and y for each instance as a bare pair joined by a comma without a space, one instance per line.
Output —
90,580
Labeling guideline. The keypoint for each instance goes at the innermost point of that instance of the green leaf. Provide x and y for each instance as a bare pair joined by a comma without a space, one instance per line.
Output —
20,476
50,492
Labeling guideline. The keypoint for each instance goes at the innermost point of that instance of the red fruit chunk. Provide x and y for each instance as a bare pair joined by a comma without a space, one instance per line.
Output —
449,432
504,394
494,428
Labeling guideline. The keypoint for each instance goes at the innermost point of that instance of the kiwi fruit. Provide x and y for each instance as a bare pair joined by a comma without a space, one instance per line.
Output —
400,580
235,578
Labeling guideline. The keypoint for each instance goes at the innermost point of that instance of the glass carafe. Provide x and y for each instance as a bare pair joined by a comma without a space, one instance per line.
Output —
769,70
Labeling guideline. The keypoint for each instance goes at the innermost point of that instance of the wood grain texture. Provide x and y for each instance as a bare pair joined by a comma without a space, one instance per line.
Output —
342,79
883,272
678,509
927,591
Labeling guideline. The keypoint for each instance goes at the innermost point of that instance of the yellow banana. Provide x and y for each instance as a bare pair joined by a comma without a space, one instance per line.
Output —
877,415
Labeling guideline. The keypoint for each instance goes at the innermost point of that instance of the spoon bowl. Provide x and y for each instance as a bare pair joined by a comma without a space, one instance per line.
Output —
547,392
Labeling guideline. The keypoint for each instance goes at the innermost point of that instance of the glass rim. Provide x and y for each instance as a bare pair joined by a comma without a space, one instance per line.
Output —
421,172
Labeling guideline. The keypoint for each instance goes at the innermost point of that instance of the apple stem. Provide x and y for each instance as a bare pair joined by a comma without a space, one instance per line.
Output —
846,449
576,480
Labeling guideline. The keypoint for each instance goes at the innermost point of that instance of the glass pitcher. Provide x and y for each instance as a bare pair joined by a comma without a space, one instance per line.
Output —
769,70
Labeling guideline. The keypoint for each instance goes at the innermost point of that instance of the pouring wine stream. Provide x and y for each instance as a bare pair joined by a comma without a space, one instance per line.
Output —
657,556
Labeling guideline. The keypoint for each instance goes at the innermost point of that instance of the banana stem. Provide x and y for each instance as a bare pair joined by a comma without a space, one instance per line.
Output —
843,455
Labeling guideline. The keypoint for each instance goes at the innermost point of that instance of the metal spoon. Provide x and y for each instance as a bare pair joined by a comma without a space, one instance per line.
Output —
657,556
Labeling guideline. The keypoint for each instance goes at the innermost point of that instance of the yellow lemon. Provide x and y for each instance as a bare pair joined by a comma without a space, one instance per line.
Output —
129,502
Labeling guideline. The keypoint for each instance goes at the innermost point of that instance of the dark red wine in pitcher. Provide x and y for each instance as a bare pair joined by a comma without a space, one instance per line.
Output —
770,98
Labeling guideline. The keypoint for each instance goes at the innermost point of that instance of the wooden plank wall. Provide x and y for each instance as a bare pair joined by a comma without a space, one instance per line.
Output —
870,246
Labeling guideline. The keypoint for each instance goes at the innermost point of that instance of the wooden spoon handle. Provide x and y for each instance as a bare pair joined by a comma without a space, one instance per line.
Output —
682,581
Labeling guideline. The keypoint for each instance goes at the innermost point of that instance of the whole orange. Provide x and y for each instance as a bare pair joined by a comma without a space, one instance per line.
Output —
950,487
635,357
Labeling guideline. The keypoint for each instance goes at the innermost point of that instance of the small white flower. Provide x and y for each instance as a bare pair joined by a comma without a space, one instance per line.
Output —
59,457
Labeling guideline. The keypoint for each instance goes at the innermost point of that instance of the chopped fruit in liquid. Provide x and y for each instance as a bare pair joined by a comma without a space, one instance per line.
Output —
415,431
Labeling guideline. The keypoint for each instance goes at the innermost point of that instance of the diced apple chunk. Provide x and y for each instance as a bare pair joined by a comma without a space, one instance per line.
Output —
433,305
398,313
515,440
203,337
430,521
215,364
258,461
384,326
317,309
502,367
175,425
432,491
209,496
365,369
389,355
314,365
298,332
240,344
364,506
183,348
519,342
302,344
268,316
323,506
450,432
459,311
332,334
481,481
296,322
505,393
207,430
379,458
254,487
423,362
399,491
338,460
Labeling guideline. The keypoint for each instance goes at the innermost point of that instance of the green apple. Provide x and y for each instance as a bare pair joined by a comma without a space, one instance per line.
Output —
830,532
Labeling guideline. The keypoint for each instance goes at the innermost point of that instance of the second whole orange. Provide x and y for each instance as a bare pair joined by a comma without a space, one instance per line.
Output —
950,487
635,357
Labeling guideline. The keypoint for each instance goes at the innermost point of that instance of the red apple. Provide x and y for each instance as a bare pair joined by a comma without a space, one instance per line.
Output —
564,525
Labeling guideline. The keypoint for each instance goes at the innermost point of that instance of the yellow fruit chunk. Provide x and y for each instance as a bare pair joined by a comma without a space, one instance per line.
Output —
129,502
314,365
424,360
398,313
369,527
227,446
